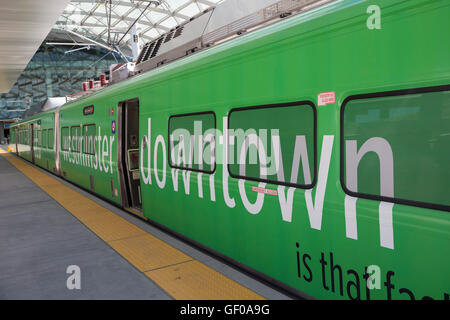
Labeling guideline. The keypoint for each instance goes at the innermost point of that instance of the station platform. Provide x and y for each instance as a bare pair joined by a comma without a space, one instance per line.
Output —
48,225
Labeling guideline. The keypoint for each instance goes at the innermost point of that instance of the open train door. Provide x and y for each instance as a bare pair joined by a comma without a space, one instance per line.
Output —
16,139
128,154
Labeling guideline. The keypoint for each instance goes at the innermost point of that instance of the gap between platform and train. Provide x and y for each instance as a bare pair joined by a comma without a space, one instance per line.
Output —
181,276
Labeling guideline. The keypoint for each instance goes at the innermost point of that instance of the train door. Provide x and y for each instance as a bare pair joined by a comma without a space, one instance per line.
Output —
16,139
128,153
32,142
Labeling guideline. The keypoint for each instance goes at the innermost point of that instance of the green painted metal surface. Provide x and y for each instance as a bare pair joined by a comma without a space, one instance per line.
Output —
318,240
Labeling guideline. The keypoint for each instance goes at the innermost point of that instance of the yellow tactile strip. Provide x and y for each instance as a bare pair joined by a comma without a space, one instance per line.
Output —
193,280
146,252
177,273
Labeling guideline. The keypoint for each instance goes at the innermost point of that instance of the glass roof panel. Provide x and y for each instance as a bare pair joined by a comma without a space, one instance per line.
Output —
169,23
190,10
94,18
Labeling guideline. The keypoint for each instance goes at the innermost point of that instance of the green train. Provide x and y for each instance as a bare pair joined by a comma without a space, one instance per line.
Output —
313,152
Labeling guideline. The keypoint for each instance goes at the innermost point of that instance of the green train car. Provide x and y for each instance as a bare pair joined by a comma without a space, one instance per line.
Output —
313,152
34,140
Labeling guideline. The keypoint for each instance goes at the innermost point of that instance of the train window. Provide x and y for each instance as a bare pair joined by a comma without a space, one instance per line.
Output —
50,139
193,142
395,146
274,144
38,137
44,138
34,137
65,139
75,136
89,139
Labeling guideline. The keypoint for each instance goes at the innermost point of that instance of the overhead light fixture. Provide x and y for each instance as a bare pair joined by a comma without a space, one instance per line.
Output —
72,44
88,47
156,3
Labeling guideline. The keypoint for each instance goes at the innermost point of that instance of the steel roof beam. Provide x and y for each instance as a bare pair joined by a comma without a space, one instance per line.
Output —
92,41
82,12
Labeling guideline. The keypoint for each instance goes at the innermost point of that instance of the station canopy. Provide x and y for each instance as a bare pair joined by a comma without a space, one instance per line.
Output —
107,21
88,37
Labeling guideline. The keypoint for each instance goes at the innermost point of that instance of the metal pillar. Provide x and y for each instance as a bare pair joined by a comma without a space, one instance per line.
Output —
2,132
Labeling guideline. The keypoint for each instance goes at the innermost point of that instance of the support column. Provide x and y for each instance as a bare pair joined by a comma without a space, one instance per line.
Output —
2,132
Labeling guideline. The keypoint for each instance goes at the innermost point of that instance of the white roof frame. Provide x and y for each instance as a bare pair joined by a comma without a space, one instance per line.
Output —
90,17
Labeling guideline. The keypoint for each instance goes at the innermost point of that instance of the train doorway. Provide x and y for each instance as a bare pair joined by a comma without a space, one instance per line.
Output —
16,138
128,135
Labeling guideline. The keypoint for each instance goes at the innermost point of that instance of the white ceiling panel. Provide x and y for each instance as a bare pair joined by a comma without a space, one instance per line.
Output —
24,24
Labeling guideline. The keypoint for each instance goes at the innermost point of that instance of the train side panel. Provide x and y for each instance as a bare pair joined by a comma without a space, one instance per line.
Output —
44,155
88,147
319,241
305,232
33,140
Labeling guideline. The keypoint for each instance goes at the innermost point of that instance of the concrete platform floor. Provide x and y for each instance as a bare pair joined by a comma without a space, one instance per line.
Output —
39,239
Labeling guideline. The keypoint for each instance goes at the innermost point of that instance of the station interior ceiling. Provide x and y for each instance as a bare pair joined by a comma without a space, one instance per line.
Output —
84,38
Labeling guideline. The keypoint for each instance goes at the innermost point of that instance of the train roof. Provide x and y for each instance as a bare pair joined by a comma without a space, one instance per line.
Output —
34,117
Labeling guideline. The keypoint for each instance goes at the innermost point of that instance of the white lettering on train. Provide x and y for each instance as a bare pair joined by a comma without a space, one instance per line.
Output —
102,160
74,151
383,150
285,194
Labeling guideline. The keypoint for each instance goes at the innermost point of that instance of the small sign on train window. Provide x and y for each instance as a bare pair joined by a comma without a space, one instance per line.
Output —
88,110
